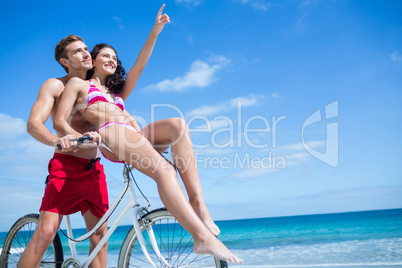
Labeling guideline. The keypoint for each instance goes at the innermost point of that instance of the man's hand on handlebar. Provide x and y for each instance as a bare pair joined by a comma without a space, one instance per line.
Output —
94,138
71,143
67,143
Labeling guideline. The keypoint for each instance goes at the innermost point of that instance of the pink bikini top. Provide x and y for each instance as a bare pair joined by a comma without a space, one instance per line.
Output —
95,95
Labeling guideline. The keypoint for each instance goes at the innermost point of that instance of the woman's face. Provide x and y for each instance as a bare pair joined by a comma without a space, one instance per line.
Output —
106,61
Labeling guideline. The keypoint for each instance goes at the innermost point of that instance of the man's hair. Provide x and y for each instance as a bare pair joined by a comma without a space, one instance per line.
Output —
61,48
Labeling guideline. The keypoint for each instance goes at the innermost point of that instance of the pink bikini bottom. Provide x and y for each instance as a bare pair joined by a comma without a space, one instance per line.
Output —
120,124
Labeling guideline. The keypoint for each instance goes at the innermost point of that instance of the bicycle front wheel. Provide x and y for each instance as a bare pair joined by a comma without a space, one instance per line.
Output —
18,238
174,242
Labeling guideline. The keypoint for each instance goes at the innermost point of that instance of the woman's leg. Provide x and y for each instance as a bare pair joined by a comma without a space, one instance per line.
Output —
174,132
136,150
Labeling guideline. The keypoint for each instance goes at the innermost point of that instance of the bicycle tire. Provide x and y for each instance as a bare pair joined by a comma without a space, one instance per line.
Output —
174,242
18,238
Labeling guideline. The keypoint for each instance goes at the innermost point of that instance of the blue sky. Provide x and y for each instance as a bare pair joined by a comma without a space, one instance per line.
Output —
294,106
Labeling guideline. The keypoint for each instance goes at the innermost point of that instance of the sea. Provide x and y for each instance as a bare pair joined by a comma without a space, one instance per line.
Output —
353,239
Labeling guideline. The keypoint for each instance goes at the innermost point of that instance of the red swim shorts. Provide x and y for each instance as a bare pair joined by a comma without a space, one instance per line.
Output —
72,187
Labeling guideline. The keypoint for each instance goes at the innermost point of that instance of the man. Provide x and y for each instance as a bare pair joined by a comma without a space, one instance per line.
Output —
72,171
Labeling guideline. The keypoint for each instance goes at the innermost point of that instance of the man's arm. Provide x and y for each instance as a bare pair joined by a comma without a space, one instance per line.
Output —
41,110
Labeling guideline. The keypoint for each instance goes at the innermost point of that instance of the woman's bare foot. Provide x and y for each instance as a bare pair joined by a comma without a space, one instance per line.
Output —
210,224
216,248
204,216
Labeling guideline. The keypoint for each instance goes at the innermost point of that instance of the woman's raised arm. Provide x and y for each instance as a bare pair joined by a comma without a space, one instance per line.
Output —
135,72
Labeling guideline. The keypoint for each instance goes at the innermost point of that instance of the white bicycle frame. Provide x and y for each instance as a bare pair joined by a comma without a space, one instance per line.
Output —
132,203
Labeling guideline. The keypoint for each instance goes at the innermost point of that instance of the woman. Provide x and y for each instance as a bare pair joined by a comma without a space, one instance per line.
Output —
101,101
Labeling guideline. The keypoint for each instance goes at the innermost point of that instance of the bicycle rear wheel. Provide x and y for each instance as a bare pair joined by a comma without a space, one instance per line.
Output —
174,242
18,238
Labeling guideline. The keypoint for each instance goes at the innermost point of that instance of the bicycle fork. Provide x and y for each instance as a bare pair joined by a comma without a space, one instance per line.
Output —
150,232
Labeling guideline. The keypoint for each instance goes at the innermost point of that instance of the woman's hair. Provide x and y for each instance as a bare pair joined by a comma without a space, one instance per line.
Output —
115,82
61,48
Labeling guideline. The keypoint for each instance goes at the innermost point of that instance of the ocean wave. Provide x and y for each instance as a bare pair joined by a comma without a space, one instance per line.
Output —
13,250
349,253
323,265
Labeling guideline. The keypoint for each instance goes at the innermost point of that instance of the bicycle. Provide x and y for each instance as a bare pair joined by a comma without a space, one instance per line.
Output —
156,238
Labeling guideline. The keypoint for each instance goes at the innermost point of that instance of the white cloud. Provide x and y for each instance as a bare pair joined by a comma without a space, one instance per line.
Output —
214,151
299,146
305,3
355,194
245,102
219,59
396,56
296,154
308,3
261,6
274,161
25,157
216,123
279,162
301,20
190,39
253,172
257,4
209,110
119,22
297,158
201,74
11,127
219,123
190,2
281,158
20,154
274,95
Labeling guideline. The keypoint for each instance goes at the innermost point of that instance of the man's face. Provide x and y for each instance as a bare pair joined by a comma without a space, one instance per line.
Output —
78,57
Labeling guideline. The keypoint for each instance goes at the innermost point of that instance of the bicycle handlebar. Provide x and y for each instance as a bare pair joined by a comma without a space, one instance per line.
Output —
81,140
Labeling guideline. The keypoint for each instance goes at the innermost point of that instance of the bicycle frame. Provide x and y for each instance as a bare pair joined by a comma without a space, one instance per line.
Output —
132,203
